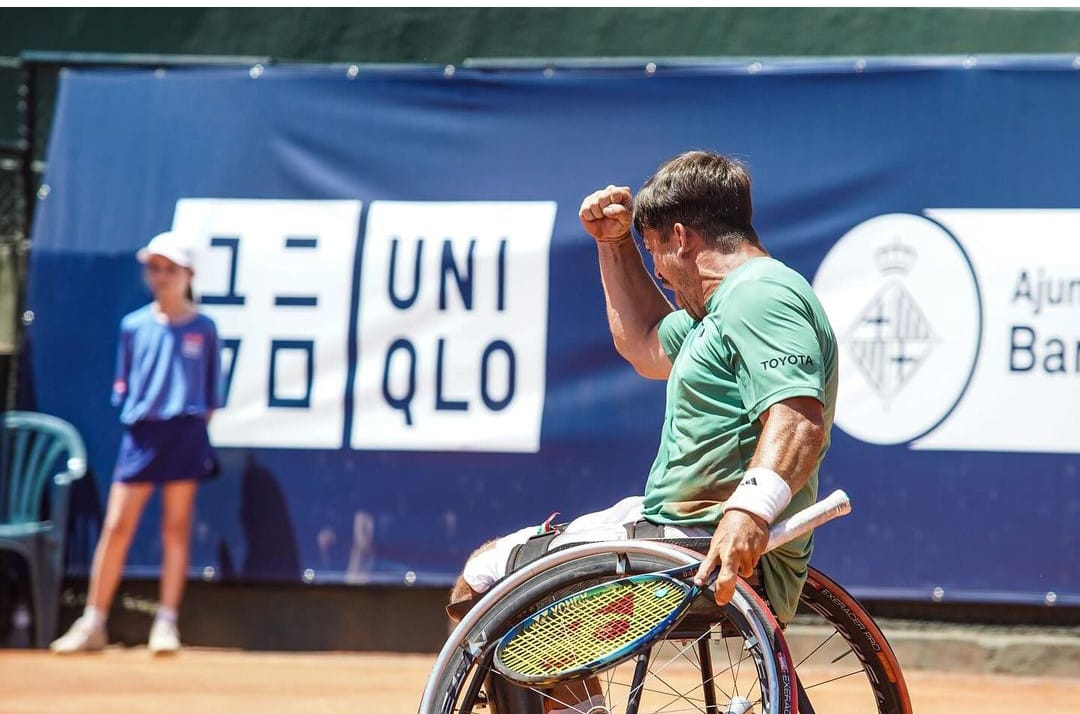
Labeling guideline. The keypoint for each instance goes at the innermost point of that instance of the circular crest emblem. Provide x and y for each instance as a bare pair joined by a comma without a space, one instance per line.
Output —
904,302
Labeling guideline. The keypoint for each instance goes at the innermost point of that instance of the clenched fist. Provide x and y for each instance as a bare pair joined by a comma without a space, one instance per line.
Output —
607,214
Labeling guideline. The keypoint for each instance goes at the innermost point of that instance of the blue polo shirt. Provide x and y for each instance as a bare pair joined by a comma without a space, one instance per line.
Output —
165,371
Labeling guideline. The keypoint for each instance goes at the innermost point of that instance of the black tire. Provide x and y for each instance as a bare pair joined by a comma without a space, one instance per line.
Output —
466,658
861,636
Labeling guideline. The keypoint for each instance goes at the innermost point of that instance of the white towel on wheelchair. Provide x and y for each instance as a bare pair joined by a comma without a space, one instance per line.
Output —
488,565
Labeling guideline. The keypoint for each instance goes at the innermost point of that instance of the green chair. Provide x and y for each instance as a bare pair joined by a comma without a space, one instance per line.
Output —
33,448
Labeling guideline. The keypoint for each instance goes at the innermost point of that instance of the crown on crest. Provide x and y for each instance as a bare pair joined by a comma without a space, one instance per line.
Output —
894,257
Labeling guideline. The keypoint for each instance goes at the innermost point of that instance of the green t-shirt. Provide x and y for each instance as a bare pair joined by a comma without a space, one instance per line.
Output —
765,339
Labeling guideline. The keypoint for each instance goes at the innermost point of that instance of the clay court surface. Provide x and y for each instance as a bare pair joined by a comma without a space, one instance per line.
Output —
233,682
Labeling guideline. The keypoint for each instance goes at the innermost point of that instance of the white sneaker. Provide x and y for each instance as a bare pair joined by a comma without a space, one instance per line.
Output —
164,638
81,637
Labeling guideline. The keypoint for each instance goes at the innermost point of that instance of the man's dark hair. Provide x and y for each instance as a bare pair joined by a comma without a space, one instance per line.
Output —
702,190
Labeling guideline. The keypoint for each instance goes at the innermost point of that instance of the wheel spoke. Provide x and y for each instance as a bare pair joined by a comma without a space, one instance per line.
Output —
858,671
561,703
648,690
680,652
738,668
680,696
731,666
843,656
814,651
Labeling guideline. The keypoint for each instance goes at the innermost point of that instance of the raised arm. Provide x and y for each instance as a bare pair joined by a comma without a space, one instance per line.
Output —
635,305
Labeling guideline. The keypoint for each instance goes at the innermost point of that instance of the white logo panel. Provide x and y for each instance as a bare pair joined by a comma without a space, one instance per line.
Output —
958,334
276,277
905,306
1024,391
453,326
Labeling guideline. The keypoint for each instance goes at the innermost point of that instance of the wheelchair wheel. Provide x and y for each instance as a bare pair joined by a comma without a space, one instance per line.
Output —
728,659
843,661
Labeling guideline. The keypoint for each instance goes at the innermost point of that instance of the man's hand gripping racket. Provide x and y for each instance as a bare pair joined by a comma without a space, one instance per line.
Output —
599,627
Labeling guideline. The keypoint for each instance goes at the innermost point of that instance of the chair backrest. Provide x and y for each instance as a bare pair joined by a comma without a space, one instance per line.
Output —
33,448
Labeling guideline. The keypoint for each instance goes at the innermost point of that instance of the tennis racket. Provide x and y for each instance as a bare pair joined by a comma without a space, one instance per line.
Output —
601,626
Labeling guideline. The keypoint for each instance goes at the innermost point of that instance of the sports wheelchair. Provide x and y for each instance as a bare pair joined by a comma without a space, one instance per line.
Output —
732,660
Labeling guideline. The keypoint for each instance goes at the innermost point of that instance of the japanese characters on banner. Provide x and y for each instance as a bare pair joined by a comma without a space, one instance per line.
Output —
277,278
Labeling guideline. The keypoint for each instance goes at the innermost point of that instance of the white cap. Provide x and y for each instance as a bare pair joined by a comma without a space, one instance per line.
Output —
168,245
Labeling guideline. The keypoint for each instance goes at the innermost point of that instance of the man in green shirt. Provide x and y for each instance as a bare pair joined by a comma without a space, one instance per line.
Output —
750,363
749,359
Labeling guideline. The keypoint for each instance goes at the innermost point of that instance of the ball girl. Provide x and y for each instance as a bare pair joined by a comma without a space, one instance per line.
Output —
167,385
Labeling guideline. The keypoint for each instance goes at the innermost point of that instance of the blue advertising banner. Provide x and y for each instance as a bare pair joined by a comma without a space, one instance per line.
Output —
415,347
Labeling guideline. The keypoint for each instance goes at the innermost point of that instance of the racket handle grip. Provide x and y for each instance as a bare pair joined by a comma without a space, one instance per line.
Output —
832,506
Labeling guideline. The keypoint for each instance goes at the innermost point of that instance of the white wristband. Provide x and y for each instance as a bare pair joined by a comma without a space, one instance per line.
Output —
762,492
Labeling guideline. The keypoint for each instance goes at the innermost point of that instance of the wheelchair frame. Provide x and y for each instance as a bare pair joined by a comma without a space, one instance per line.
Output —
469,648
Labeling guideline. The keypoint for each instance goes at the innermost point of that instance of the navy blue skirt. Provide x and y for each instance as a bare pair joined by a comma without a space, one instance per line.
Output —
177,449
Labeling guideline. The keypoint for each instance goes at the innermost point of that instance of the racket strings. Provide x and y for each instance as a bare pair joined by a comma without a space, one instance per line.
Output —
593,625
